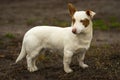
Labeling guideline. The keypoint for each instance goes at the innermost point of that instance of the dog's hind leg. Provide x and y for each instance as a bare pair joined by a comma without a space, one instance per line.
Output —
31,60
34,64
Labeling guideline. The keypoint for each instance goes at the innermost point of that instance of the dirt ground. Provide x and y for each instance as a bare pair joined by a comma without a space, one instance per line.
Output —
17,16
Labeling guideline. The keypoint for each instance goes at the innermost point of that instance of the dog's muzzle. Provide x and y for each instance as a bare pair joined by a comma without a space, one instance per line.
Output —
74,30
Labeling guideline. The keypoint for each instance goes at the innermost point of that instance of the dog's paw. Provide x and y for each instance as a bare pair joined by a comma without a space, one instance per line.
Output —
32,69
84,66
68,70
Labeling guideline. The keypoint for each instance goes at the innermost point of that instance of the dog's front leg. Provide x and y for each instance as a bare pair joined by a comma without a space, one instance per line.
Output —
67,60
81,60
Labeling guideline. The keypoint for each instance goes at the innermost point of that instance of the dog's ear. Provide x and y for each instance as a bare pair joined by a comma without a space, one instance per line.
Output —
90,13
72,9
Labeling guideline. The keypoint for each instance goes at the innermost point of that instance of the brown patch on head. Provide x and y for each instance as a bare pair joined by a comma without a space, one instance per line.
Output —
88,12
85,22
73,20
72,9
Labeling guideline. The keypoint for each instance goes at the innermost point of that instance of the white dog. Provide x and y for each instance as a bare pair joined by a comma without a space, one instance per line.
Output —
71,40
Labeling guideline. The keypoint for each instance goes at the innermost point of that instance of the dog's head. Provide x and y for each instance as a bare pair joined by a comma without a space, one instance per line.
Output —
80,19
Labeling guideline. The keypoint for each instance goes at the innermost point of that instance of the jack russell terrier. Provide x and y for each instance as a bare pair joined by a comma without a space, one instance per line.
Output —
71,40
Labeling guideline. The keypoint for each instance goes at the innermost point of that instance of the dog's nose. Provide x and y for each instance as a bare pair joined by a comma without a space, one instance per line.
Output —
74,30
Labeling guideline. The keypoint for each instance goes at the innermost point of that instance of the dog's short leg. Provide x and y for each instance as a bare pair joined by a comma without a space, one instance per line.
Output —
67,60
34,64
31,60
29,63
81,60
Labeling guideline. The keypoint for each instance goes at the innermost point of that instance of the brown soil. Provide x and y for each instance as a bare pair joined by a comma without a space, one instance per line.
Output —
103,57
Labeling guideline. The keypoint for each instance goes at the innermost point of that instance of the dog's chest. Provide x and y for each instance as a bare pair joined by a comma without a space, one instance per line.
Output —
81,42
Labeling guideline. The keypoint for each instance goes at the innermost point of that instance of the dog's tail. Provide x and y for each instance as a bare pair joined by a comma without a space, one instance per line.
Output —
21,55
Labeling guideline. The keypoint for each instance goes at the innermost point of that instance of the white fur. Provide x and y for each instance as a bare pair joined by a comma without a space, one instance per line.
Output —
58,38
79,15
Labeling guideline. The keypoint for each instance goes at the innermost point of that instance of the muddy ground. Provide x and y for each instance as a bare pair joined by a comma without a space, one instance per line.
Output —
17,16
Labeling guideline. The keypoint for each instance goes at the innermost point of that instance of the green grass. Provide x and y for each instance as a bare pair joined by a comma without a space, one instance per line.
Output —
100,24
61,23
111,23
9,35
31,21
114,23
55,22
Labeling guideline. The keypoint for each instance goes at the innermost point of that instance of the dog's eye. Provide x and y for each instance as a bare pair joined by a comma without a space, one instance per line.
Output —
73,20
85,22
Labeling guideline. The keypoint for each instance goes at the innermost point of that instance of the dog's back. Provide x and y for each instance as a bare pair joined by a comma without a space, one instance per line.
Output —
48,36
